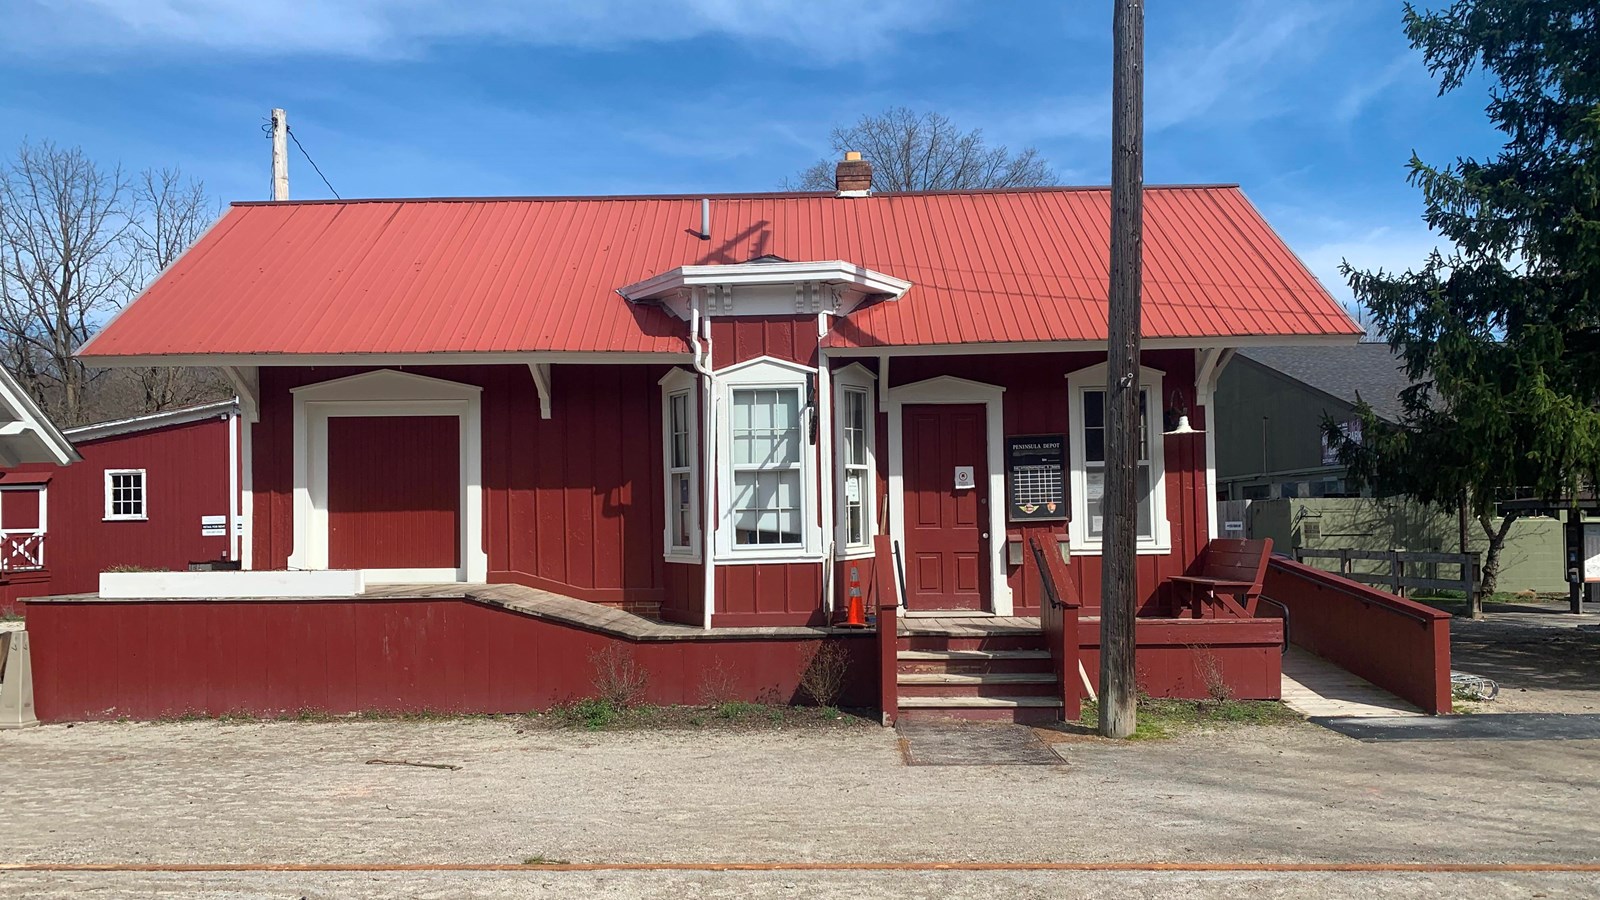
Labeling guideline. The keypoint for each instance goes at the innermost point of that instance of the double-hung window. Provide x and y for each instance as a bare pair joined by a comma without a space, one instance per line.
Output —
855,506
768,462
1087,444
125,495
767,485
681,443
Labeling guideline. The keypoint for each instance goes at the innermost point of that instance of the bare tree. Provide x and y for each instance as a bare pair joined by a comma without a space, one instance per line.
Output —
64,266
912,151
170,214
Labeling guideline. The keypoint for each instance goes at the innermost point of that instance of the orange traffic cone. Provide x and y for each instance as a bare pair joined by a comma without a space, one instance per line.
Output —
855,614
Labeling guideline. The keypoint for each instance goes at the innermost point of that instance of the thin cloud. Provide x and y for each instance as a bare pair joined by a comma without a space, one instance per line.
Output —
1361,94
817,30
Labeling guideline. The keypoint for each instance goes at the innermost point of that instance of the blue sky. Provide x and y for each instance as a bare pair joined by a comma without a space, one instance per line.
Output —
1314,107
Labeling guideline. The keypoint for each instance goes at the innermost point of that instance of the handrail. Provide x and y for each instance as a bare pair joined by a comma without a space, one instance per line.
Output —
1331,582
1279,604
1045,577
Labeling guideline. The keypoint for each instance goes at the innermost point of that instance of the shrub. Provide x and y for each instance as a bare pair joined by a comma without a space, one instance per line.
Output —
618,678
718,684
822,674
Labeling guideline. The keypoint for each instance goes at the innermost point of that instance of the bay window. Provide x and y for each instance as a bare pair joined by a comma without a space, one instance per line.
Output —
1087,446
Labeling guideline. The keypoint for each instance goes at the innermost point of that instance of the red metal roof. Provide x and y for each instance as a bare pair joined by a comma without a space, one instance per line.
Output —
541,274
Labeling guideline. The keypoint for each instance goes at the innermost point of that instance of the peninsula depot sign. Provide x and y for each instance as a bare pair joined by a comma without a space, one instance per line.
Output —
1036,466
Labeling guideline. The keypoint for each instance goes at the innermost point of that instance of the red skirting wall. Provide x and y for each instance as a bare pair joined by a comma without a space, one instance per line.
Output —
1190,658
147,660
1397,644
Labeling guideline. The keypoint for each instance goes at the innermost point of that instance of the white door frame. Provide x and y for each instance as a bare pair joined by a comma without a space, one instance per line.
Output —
950,390
386,392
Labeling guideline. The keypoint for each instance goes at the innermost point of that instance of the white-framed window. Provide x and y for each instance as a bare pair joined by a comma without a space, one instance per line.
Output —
855,507
767,465
125,495
680,433
1087,414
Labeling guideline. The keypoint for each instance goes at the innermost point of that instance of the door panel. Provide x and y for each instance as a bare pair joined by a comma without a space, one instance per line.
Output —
944,525
394,492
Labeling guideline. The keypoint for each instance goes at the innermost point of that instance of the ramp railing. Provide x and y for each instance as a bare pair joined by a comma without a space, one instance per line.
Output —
1058,615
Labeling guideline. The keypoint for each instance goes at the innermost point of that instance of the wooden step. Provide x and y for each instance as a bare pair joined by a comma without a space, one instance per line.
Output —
978,702
986,678
972,654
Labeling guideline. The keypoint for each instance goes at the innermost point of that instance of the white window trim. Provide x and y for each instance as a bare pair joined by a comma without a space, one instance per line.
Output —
859,379
144,496
766,372
385,392
1094,379
950,389
680,381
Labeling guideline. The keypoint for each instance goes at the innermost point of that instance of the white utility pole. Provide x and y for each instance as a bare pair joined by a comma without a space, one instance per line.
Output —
280,155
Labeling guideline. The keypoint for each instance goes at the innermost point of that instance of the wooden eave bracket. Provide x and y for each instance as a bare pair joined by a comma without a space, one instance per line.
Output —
247,386
1207,370
541,381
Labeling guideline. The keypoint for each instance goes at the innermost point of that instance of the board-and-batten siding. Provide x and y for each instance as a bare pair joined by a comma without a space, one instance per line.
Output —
571,503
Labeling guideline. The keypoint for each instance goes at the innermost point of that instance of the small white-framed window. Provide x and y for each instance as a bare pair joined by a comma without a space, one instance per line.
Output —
1087,413
125,495
681,465
767,462
854,436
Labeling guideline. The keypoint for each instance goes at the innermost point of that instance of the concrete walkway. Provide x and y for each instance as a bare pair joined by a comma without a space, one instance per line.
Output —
1316,688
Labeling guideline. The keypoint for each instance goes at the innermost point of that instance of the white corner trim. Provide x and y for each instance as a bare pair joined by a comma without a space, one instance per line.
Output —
948,389
385,392
1094,378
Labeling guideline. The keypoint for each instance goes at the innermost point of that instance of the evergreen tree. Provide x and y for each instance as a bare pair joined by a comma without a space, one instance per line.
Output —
1501,333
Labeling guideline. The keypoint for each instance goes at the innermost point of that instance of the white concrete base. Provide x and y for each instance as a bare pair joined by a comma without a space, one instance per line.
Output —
191,585
16,681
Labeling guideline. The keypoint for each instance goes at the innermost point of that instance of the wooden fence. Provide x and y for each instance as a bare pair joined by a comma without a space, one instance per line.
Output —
1404,570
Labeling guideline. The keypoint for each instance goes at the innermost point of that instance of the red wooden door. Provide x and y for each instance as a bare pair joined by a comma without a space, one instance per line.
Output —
946,559
394,492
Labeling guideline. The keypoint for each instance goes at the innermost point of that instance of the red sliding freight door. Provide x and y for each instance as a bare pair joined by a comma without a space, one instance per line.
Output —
394,492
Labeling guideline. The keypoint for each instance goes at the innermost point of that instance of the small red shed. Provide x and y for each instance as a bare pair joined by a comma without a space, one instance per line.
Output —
157,491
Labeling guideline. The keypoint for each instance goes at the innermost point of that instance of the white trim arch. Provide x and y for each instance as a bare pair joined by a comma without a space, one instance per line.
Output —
385,392
948,389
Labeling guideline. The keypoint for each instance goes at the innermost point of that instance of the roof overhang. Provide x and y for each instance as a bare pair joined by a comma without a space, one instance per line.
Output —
29,436
767,287
1207,342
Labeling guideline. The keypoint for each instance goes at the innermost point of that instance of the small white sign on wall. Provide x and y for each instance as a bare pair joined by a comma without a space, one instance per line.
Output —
964,478
1591,552
213,526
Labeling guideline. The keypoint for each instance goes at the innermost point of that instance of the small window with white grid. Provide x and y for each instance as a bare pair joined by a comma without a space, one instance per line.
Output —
125,494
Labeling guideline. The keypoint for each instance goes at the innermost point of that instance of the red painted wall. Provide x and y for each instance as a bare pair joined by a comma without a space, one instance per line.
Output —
1036,402
186,477
572,503
148,660
1397,644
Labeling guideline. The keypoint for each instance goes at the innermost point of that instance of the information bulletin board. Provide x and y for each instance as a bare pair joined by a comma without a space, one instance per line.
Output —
1036,477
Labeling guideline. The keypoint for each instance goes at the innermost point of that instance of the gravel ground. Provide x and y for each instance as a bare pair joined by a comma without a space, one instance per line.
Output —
928,885
294,793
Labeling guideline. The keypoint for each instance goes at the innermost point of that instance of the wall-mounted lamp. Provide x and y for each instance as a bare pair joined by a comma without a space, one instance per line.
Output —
1176,417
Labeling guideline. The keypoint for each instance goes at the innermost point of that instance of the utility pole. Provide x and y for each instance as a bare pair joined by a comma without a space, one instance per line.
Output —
280,155
1119,576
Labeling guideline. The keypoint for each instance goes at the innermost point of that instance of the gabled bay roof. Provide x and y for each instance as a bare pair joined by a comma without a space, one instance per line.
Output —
513,275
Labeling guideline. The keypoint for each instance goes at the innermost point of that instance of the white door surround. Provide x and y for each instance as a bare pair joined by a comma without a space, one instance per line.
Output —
385,392
948,389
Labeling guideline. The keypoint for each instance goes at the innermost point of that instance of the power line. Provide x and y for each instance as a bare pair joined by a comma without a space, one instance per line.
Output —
313,163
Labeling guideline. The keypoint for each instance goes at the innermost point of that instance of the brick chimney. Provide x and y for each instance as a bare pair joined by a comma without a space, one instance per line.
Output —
853,177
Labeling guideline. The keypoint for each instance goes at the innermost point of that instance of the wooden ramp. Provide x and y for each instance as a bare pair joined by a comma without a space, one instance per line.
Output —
1316,688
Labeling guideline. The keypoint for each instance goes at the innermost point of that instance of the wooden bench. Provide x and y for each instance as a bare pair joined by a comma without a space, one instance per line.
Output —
1227,581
